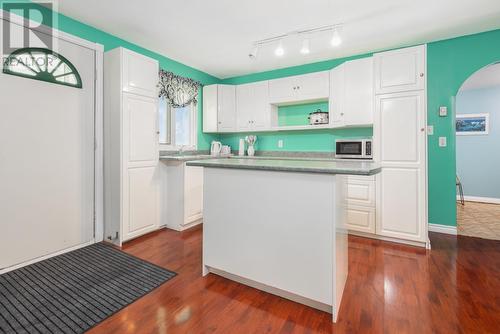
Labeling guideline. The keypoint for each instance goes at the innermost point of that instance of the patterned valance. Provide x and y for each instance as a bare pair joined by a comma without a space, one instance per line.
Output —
178,91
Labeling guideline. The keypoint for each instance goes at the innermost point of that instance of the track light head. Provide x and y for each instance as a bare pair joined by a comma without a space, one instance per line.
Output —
279,51
305,47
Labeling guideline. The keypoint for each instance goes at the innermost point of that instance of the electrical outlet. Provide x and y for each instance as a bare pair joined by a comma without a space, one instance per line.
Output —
443,111
442,141
280,143
430,130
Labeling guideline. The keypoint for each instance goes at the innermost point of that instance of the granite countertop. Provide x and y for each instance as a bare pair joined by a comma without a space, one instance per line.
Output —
295,165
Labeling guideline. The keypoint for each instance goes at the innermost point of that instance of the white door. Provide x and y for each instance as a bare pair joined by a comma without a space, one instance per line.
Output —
193,194
313,86
141,174
337,93
226,111
140,74
283,90
358,94
400,70
244,106
400,148
261,108
46,162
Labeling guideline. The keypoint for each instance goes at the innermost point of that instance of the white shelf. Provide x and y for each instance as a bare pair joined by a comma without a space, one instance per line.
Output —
300,127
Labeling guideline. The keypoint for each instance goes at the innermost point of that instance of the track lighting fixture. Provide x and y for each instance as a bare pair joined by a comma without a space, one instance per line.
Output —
305,47
279,51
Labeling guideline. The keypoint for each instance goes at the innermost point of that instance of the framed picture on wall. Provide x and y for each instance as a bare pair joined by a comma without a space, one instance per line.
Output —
472,124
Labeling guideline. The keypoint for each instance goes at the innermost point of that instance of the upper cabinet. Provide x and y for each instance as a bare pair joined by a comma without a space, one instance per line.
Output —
253,107
351,93
219,108
300,88
400,70
139,74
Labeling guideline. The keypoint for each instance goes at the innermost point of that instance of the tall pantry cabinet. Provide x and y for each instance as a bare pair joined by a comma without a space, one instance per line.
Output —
400,144
131,155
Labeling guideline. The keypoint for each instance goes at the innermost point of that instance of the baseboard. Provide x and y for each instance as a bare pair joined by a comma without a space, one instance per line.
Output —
446,229
490,200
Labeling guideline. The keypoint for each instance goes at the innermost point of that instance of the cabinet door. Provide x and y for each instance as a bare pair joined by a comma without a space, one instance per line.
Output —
361,191
401,203
282,90
244,106
140,74
210,108
360,218
399,131
261,106
337,93
226,109
193,194
140,130
400,146
140,196
313,86
400,70
358,92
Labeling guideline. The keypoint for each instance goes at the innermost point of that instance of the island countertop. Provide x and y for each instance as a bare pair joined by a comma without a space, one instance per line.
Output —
297,165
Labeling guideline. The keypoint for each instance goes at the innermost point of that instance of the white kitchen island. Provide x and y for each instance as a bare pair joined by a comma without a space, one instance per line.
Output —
278,225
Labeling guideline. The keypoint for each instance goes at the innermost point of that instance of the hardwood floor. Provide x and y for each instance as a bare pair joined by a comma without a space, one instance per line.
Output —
454,288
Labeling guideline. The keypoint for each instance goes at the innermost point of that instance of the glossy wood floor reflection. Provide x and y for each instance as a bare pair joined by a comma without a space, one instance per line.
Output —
455,288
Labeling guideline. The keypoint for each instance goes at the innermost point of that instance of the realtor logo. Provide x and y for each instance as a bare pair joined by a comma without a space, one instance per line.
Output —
22,22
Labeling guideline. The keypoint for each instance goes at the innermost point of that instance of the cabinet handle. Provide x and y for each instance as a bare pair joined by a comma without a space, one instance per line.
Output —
220,122
298,87
157,132
422,129
341,114
294,88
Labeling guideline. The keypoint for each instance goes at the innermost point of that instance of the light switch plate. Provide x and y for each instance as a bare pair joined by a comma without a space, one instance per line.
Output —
443,111
280,143
442,141
430,130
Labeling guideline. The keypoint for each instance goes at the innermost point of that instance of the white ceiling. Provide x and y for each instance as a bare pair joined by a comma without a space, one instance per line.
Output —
215,36
484,78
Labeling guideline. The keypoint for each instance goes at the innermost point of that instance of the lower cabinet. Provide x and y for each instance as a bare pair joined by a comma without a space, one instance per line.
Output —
141,196
183,191
361,204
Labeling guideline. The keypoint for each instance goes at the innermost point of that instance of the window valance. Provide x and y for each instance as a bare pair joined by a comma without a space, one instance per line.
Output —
179,91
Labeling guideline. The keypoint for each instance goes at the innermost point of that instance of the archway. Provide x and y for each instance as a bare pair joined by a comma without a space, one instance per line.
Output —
477,130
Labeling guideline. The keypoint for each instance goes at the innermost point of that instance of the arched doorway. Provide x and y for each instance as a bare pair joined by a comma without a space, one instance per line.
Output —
477,126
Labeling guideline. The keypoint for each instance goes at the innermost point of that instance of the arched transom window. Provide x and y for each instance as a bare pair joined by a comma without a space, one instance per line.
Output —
42,64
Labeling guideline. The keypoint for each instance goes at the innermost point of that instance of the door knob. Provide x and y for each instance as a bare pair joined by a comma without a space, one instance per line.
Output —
421,75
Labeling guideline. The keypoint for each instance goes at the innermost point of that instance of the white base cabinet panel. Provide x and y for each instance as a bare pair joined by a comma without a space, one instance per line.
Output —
275,239
183,195
400,205
142,187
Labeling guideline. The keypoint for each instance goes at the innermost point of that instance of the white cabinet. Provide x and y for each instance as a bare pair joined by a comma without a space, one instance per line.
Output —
400,147
400,70
300,88
351,93
219,108
184,195
131,180
252,106
360,197
139,74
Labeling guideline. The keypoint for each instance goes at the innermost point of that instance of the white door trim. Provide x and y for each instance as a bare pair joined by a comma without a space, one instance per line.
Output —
98,124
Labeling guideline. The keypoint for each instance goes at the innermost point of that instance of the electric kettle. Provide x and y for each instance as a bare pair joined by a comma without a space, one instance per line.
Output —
215,148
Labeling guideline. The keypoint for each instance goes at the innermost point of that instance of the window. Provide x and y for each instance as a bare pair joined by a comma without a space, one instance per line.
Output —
42,64
177,126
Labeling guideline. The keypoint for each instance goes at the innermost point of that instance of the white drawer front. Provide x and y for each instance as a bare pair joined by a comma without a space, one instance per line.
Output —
361,219
361,192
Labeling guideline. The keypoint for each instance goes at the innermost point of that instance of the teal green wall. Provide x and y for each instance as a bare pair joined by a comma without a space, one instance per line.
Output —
299,114
306,140
449,63
79,29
